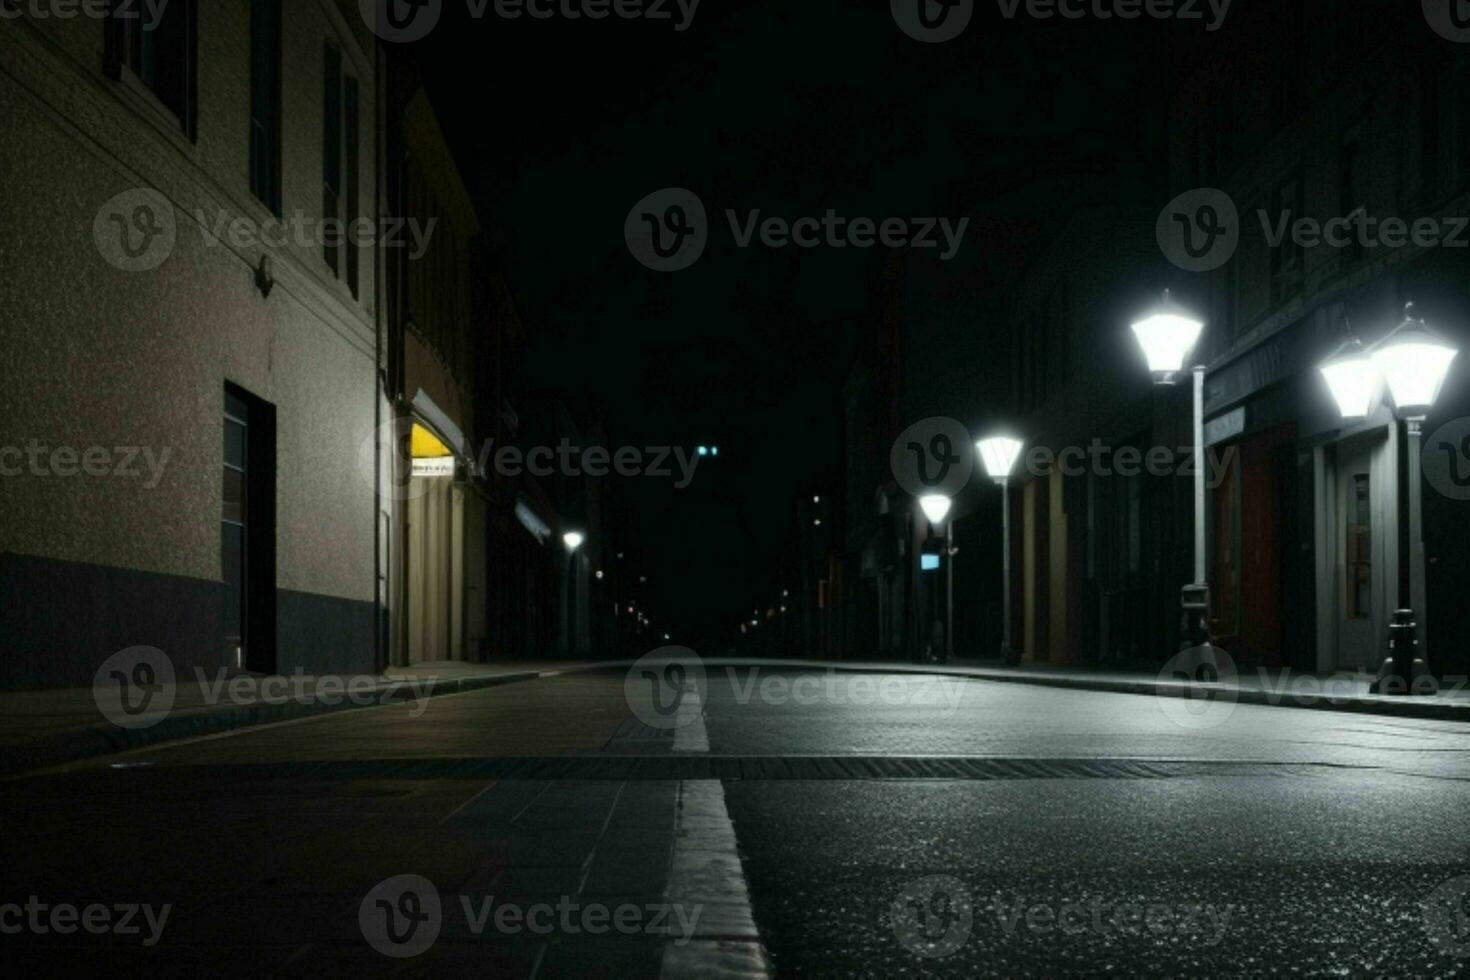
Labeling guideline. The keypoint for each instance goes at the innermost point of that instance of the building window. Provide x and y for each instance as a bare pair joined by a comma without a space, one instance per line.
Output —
233,555
1286,258
350,162
340,131
159,49
265,102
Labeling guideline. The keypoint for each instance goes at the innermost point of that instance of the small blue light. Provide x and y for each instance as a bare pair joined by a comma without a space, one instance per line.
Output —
929,563
704,450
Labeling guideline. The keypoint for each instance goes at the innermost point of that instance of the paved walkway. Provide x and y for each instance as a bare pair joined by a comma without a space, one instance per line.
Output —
40,728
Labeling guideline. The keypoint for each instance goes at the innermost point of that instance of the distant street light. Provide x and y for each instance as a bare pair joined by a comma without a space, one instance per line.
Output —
999,454
1414,362
573,540
1168,335
936,508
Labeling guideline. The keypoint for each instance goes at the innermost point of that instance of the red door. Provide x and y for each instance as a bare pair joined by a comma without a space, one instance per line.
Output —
1262,489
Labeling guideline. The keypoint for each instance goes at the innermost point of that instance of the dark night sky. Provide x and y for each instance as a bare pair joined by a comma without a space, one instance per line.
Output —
791,107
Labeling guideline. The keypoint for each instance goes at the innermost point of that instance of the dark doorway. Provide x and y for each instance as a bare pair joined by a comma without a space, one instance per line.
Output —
248,532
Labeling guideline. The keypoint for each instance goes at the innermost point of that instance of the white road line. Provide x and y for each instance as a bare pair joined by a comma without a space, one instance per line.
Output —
707,878
690,735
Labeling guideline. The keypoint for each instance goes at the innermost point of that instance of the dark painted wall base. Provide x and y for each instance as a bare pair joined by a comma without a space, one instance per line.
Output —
60,620
320,634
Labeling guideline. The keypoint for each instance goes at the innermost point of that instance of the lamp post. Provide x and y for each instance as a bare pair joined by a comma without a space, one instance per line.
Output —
1167,335
936,509
1414,362
999,454
572,540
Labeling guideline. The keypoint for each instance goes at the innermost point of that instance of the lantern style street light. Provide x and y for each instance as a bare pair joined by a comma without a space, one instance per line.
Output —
1168,335
999,455
936,508
1414,362
573,540
1353,378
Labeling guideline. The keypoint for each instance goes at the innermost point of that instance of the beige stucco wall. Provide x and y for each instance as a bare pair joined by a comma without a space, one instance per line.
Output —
94,356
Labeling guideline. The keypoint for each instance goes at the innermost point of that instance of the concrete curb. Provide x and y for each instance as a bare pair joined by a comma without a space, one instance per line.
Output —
72,745
1400,707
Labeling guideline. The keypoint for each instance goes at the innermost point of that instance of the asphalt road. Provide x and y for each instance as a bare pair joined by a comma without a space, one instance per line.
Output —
882,825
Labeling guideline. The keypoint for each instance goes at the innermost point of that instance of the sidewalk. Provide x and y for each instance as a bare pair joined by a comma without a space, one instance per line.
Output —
47,728
1280,687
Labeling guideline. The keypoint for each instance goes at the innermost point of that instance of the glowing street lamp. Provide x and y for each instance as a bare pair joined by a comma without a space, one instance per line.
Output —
1168,335
999,454
936,508
1353,378
1414,362
573,540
